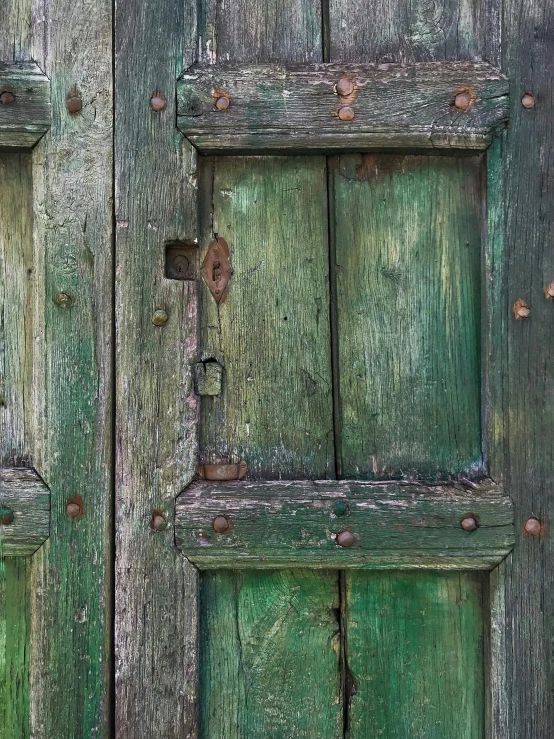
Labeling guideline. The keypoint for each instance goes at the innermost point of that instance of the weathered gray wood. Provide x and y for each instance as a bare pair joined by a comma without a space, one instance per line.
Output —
71,582
280,524
294,107
519,362
27,119
156,409
25,498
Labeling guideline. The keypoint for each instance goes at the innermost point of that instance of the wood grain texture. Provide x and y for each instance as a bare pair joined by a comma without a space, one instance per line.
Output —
27,119
280,524
295,107
406,32
408,315
415,655
16,31
270,655
18,281
71,584
25,495
271,333
156,409
14,647
521,442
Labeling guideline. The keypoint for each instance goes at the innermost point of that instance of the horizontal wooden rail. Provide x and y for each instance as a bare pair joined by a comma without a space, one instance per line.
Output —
274,107
25,110
296,524
24,512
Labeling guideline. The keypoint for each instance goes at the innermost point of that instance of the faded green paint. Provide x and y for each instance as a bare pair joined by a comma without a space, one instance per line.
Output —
415,646
407,250
271,333
269,655
14,647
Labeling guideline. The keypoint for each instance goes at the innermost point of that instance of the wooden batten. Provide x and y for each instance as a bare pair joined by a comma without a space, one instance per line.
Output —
25,113
276,107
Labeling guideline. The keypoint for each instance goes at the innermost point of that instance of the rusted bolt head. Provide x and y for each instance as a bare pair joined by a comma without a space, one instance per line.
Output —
549,291
528,100
462,100
346,539
158,522
160,318
222,103
346,113
7,95
221,524
158,102
74,103
523,312
469,523
73,509
533,527
6,516
344,87
63,300
341,508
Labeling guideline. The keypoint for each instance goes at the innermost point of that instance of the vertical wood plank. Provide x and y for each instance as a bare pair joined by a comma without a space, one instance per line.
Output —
14,647
16,30
521,442
271,333
71,584
415,655
155,170
408,310
269,655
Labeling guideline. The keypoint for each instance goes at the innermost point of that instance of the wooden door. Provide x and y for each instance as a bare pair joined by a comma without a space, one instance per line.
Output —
305,245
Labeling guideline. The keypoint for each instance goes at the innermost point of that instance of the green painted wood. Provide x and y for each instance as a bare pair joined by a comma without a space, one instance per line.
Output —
25,505
71,584
271,333
156,409
408,315
27,119
286,524
521,373
269,650
415,655
296,107
14,647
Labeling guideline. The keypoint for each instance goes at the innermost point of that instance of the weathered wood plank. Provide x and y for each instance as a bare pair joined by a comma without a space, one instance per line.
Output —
156,409
270,655
25,510
415,655
71,583
18,283
271,333
27,118
296,107
519,355
14,647
408,315
280,524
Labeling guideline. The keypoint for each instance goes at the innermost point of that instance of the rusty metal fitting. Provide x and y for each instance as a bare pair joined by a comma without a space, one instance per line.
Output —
6,516
346,113
73,102
160,318
222,103
158,521
469,523
528,101
75,507
463,100
158,102
533,527
344,87
221,524
346,539
7,95
223,471
521,310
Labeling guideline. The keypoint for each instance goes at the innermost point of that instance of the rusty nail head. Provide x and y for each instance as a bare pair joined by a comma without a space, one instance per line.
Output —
549,291
521,309
222,103
462,100
221,524
533,526
6,516
344,87
346,113
528,100
73,102
74,507
63,300
346,539
7,95
469,523
158,102
157,522
160,318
